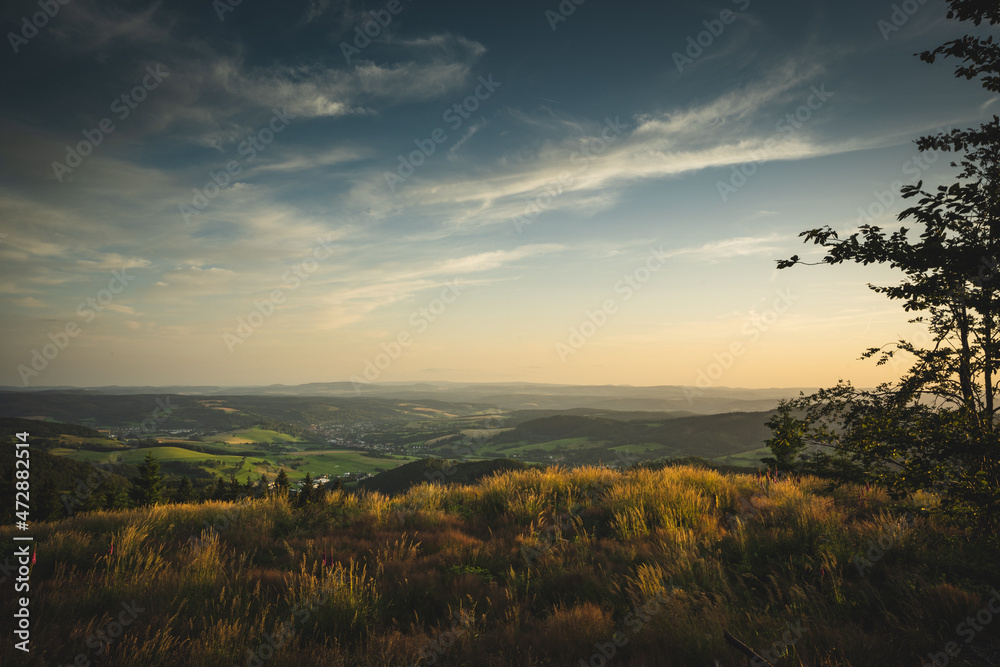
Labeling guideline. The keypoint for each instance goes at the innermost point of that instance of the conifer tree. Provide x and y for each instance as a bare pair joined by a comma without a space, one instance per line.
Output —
185,490
281,482
147,489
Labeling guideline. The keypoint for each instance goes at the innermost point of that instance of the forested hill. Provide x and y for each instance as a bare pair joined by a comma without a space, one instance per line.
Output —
42,429
705,435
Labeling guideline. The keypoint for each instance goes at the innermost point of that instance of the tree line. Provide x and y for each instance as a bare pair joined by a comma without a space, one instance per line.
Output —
149,487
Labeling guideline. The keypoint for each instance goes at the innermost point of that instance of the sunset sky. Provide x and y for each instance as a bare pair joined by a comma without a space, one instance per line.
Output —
256,193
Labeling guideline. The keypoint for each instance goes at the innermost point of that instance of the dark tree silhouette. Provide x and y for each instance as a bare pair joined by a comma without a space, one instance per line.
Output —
221,490
936,426
147,489
281,483
235,489
305,495
185,490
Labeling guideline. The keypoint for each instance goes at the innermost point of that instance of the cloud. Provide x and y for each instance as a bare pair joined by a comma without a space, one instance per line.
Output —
119,308
28,302
183,284
742,246
376,288
219,103
493,260
219,86
110,262
304,160
317,91
469,132
445,42
603,159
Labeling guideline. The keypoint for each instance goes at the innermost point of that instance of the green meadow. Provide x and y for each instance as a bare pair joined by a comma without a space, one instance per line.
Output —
255,435
316,463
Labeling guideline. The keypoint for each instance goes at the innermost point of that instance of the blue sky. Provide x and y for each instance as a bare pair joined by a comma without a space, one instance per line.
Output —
495,192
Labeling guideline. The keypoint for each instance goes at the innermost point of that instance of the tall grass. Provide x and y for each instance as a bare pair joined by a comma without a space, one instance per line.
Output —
544,565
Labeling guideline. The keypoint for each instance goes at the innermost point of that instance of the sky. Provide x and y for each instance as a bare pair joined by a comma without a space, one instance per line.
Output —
241,193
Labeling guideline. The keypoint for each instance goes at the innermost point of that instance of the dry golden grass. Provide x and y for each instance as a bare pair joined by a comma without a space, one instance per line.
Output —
544,565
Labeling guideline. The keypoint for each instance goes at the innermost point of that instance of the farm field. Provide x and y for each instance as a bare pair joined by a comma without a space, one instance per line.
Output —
327,462
550,446
653,449
135,456
254,435
103,442
749,458
338,462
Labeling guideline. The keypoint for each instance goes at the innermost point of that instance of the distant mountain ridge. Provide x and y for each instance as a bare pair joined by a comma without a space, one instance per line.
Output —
507,396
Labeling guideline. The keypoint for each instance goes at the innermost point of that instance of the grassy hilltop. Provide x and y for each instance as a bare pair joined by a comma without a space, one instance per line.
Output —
527,567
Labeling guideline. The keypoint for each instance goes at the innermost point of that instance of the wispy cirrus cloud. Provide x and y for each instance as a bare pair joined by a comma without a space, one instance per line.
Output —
742,246
726,131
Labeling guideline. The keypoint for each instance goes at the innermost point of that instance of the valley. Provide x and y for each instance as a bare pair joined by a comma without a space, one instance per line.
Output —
205,437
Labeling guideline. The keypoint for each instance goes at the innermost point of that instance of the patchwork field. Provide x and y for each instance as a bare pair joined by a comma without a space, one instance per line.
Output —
254,435
551,446
750,458
341,462
135,456
316,463
652,449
